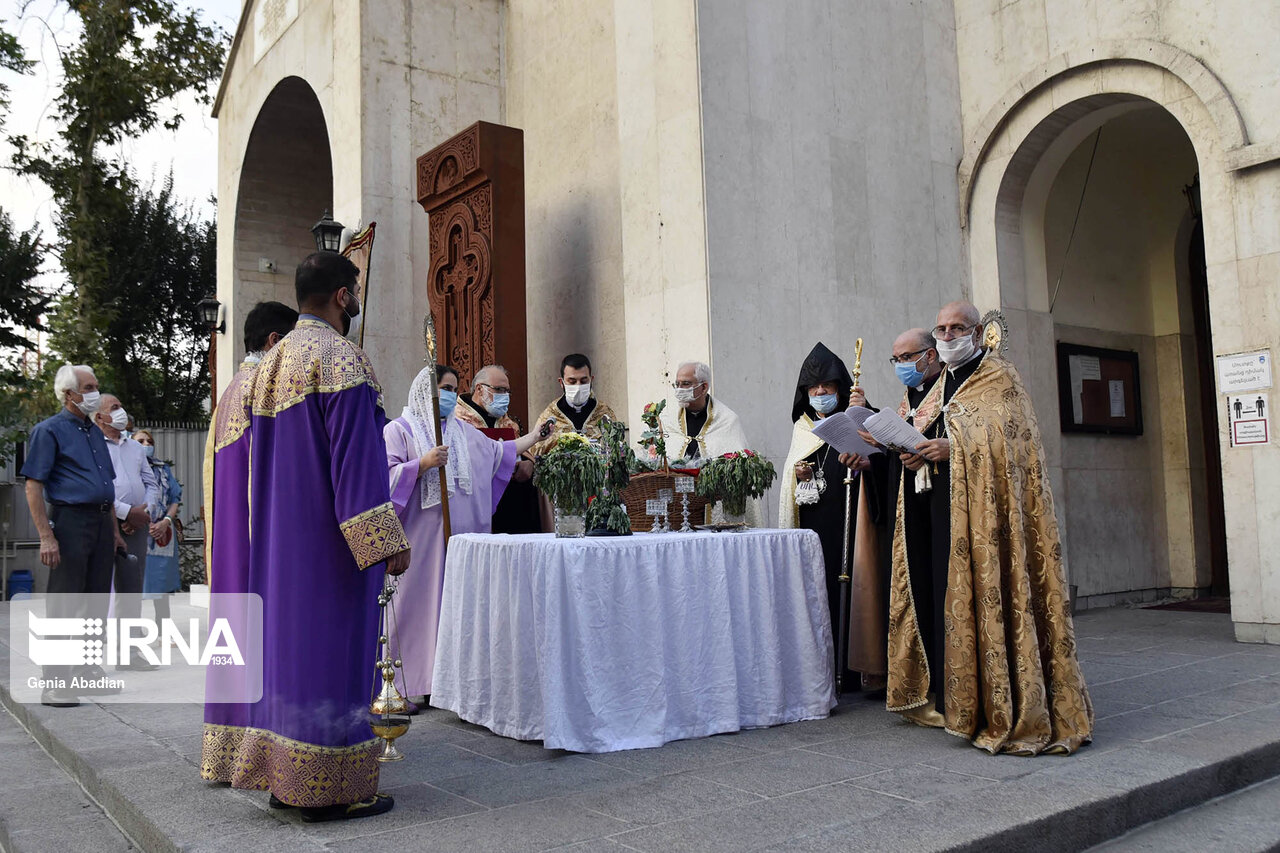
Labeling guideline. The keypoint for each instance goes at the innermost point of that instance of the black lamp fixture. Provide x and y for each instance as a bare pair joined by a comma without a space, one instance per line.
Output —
1192,192
208,308
328,234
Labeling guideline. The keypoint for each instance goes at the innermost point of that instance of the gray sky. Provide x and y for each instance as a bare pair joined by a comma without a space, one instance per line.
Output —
191,150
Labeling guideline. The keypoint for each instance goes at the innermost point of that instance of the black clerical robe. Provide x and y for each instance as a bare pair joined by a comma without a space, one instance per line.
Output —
927,522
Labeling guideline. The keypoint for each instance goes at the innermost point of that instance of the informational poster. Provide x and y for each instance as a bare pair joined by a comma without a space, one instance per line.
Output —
1250,418
1099,390
1245,371
1116,390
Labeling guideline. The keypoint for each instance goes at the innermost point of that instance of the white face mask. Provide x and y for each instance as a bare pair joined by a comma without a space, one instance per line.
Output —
957,350
685,396
577,395
119,419
89,405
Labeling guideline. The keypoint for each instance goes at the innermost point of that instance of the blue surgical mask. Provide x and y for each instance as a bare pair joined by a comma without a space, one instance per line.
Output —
448,399
909,373
824,404
497,407
149,450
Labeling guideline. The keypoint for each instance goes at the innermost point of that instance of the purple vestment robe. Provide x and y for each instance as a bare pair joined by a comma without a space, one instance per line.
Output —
417,603
321,523
226,508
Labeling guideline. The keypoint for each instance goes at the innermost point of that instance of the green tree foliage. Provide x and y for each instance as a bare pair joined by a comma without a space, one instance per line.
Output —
151,349
21,302
11,59
119,80
21,306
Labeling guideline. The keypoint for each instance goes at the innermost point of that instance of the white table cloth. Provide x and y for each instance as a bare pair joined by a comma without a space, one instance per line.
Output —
601,644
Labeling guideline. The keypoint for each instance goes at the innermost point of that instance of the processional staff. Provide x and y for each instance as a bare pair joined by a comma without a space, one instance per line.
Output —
429,338
842,643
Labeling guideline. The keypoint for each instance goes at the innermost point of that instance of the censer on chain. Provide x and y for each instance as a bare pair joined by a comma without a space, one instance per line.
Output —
389,710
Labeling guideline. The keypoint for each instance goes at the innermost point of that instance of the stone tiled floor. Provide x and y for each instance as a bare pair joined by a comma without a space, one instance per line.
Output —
1184,713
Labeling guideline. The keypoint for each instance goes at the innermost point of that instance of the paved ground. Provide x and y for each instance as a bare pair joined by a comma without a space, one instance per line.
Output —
1245,821
1185,715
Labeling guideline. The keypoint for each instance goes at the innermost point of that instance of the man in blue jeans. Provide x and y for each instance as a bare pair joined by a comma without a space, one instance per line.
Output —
68,464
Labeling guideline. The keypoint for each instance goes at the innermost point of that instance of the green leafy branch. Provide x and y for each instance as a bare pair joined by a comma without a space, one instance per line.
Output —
735,477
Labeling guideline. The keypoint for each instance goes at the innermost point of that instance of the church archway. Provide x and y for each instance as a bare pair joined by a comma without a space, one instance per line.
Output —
286,184
1097,245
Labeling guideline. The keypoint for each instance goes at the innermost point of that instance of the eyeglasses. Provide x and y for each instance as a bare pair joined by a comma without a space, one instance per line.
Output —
494,388
954,331
686,384
905,357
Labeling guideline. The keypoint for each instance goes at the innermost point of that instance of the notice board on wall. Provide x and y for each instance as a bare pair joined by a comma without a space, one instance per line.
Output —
1098,390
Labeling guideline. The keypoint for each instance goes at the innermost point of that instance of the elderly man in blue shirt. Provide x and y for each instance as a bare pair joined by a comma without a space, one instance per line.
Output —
68,464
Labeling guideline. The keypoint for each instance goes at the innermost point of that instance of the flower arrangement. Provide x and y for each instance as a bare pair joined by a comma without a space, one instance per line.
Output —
570,474
606,510
653,439
735,477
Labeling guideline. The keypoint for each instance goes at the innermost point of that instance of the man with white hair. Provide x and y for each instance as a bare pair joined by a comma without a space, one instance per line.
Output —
136,491
68,464
701,428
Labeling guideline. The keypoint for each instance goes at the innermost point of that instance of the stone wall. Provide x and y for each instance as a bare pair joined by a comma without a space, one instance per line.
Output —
392,80
608,98
1034,72
831,193
430,69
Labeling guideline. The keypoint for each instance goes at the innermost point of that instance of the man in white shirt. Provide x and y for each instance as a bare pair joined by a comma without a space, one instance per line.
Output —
136,491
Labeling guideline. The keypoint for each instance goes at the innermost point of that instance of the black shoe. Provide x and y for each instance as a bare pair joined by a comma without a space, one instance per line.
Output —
93,672
136,666
55,698
277,803
375,805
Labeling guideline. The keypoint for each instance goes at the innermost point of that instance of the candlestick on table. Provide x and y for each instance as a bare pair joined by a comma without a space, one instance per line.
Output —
684,486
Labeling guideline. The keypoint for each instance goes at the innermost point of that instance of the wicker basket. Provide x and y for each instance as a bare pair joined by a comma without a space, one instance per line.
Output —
645,487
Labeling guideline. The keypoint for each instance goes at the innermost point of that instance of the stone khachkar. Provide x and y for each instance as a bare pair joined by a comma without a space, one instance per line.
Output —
472,188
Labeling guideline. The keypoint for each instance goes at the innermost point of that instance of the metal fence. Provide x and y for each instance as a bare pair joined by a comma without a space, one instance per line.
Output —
181,445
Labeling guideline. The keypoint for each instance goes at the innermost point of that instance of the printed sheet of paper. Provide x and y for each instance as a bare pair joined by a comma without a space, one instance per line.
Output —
1116,389
888,428
841,431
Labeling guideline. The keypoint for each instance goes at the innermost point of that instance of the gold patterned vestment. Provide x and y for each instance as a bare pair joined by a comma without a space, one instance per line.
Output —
1011,676
590,428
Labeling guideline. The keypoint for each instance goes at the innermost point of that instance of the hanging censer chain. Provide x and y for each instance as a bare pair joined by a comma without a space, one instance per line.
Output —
388,712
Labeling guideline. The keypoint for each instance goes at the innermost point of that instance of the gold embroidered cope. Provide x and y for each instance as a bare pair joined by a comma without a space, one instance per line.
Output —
1011,676
590,428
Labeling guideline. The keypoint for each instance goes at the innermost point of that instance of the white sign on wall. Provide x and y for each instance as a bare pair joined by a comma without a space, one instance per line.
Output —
1249,416
1246,371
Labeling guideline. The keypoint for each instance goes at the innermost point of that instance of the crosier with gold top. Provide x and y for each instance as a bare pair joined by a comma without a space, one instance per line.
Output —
842,643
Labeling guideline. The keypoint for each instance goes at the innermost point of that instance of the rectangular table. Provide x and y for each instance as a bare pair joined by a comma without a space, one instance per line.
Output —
601,644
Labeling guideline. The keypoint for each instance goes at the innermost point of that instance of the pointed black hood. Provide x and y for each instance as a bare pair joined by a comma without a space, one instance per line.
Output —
821,365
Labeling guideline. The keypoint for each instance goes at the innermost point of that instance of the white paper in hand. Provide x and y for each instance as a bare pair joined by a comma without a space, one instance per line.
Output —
841,431
888,428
